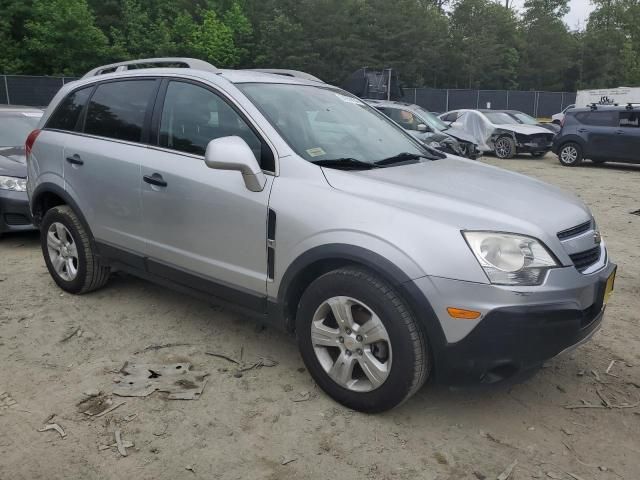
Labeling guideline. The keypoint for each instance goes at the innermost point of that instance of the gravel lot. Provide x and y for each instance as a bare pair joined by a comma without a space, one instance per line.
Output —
272,422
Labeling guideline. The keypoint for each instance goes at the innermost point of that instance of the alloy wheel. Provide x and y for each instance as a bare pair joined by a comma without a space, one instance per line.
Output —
569,154
63,252
351,343
503,148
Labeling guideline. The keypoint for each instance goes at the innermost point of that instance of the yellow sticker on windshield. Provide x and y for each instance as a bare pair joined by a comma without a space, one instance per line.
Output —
316,152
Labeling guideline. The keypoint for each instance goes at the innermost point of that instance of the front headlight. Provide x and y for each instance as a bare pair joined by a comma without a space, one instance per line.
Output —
13,183
434,144
510,259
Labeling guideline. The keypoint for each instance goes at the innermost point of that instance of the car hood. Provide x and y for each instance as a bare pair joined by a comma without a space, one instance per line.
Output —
523,129
13,162
468,195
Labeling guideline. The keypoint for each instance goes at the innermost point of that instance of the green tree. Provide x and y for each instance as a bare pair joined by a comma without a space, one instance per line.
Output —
482,50
547,48
60,38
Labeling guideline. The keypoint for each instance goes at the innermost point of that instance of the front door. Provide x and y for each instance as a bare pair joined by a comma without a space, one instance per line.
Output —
628,136
203,227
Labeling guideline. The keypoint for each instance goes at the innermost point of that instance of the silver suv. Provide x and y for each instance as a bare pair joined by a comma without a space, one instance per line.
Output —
392,263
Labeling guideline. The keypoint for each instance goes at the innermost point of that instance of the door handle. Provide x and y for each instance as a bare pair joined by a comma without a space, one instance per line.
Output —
155,179
75,160
619,132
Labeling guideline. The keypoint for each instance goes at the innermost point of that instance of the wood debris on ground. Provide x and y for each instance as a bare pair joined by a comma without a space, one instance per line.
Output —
53,426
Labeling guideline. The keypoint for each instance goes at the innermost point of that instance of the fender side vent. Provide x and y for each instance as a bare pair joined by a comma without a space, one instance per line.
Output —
271,244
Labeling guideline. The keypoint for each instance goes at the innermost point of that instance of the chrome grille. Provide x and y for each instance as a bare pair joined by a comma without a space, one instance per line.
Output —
574,231
583,260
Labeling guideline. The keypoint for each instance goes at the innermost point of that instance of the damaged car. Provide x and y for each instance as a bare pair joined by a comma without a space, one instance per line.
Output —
428,128
500,133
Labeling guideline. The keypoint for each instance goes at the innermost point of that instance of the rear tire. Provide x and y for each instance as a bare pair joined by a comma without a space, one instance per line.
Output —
505,147
570,154
68,252
372,354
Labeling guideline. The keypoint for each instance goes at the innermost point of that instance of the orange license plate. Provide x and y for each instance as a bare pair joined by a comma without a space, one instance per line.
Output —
608,290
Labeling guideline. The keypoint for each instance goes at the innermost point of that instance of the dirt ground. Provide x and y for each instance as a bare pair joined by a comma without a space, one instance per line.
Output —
273,422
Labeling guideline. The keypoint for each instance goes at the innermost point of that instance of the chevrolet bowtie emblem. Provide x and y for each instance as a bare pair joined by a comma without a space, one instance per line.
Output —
597,238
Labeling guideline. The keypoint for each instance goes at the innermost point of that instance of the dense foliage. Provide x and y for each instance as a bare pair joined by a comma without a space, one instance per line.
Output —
438,43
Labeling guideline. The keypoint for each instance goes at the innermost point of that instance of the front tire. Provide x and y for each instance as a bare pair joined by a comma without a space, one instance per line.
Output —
68,252
360,342
570,154
505,147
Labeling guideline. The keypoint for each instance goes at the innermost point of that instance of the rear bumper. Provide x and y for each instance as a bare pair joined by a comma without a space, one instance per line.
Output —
14,212
519,330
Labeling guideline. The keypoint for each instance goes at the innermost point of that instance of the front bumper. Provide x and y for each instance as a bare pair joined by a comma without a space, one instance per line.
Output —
14,212
519,329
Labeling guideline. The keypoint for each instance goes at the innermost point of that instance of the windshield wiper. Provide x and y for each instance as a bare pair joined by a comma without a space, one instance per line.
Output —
401,157
346,163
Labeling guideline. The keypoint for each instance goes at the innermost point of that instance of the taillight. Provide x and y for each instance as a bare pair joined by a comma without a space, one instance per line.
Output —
28,145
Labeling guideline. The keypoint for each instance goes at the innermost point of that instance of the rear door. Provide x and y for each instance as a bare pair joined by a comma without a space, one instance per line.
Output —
628,147
102,164
202,223
598,128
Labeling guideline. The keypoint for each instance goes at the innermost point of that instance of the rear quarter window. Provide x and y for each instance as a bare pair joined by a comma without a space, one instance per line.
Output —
67,114
118,109
630,119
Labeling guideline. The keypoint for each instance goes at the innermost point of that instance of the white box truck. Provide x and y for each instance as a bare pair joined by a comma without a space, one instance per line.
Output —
608,96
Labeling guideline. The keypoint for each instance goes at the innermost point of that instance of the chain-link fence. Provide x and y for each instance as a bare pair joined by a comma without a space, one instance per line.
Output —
537,104
38,92
28,90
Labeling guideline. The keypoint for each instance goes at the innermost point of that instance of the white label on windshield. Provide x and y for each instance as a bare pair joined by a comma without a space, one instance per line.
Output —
344,98
32,114
315,152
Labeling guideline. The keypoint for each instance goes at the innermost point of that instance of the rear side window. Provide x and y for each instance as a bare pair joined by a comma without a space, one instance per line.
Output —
630,119
118,109
450,117
68,112
598,119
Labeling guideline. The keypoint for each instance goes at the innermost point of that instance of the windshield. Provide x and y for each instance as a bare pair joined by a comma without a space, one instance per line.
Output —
500,118
322,124
16,126
432,121
524,118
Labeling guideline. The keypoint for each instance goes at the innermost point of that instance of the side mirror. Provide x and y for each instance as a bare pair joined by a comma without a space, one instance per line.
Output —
233,153
422,127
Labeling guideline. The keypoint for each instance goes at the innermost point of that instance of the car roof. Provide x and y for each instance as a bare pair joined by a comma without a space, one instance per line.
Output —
607,108
19,109
233,76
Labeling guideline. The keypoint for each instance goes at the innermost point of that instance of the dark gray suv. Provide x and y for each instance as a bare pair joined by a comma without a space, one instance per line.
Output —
599,133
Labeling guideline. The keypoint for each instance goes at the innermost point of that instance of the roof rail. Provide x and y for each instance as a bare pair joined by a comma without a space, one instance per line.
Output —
286,73
180,62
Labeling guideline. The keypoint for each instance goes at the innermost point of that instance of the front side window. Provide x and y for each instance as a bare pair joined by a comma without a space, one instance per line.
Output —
499,118
405,118
192,116
630,119
68,112
524,118
322,123
431,120
118,109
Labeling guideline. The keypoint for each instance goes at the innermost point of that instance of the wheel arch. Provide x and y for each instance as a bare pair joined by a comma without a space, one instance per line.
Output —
49,195
322,259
